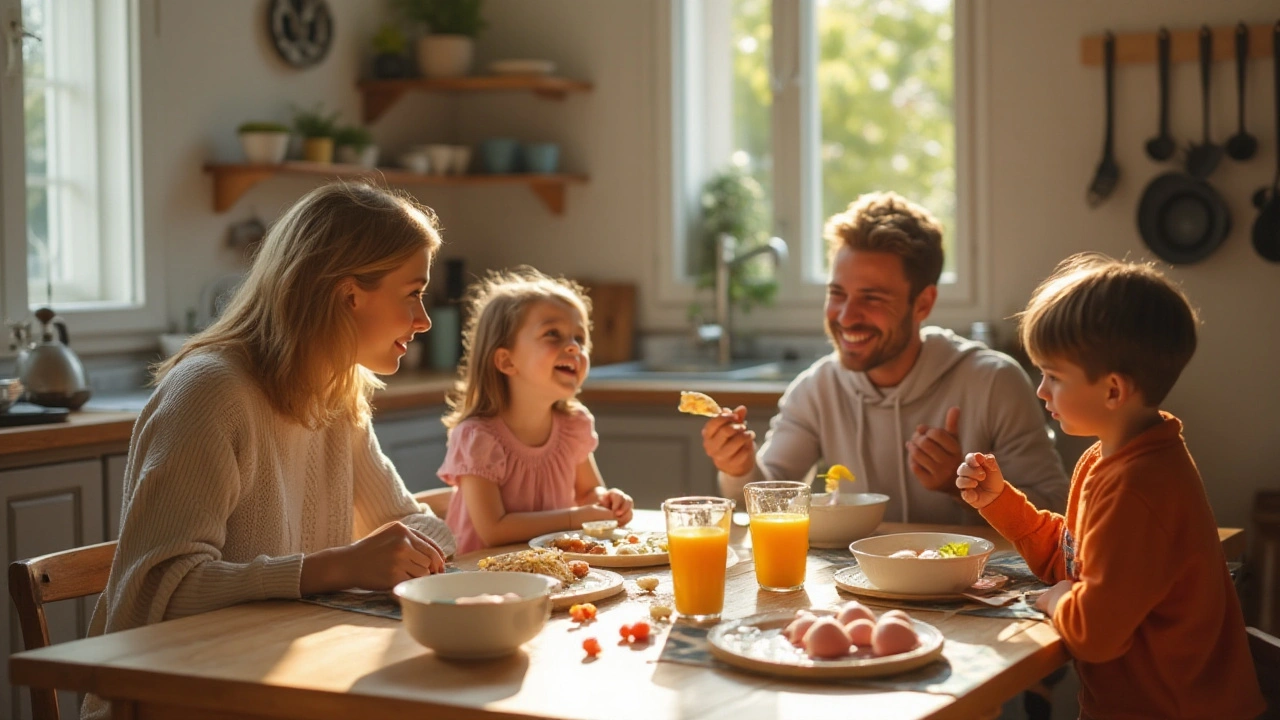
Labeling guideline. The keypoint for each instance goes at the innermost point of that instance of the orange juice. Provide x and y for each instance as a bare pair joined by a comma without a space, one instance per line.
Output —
698,556
780,542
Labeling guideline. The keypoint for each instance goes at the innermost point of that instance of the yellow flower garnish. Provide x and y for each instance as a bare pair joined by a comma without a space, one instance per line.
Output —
834,475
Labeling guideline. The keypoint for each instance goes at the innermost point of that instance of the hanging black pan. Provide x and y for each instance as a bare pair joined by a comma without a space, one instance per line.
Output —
1181,217
1266,229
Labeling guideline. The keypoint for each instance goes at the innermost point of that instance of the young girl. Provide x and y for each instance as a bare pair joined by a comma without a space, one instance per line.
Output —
253,472
520,446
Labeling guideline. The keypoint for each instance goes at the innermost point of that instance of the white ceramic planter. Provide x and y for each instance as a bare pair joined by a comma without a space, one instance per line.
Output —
368,157
264,147
445,56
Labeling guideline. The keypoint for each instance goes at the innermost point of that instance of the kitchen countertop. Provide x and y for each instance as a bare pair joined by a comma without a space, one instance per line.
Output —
108,419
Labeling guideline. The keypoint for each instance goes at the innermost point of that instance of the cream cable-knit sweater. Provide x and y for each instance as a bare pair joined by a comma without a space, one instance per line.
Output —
223,497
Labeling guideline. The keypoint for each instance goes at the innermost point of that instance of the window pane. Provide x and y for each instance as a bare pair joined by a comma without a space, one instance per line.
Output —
38,266
752,92
886,89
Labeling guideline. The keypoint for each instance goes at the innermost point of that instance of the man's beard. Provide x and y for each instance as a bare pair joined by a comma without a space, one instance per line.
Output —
890,347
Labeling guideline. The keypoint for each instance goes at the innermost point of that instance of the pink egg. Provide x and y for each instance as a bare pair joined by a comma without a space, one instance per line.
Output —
929,555
853,610
860,631
904,554
798,627
892,637
826,639
895,614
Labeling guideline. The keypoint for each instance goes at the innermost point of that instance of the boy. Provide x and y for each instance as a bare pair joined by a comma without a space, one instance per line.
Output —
1143,600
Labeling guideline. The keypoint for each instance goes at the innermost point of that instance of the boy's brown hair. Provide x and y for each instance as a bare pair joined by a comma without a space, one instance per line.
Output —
887,222
1109,315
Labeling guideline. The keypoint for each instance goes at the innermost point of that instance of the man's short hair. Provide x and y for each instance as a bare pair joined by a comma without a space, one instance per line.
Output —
888,222
1109,315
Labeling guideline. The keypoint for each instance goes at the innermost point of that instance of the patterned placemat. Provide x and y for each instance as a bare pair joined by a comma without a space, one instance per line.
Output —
962,668
382,604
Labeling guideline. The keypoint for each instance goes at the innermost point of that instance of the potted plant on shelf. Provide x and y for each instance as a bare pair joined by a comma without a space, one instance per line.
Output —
452,25
354,145
732,203
389,61
263,142
316,129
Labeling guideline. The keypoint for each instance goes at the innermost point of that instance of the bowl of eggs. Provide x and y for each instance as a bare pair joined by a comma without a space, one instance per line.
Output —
922,563
837,519
475,615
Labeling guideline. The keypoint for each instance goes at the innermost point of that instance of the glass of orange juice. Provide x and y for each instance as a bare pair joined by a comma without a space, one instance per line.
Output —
698,546
779,513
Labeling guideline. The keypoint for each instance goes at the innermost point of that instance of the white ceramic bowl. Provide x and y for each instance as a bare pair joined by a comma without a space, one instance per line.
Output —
835,526
474,631
917,576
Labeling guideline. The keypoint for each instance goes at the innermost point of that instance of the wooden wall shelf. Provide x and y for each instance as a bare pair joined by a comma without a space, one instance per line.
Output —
1184,45
231,181
380,95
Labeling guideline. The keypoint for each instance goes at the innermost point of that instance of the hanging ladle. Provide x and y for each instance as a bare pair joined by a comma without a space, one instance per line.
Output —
1107,174
1242,145
1203,158
1161,147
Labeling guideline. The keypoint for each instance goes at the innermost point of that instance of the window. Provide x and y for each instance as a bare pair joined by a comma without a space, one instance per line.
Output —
72,172
821,101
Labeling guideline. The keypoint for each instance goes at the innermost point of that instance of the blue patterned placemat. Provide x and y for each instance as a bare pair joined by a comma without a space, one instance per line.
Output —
962,667
382,604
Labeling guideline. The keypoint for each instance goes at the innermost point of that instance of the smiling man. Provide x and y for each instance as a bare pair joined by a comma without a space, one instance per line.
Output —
894,402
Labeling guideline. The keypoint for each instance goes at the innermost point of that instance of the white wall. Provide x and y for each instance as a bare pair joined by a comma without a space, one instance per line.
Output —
208,66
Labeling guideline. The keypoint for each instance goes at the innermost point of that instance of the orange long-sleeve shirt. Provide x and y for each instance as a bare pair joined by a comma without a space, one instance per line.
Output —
1152,620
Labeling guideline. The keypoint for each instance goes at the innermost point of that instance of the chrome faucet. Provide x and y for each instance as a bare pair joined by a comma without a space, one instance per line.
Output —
726,263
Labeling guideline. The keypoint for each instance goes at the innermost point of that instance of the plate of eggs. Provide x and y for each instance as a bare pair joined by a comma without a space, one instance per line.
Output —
849,641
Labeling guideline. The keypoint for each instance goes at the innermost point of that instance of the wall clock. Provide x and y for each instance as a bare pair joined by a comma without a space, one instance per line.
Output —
301,30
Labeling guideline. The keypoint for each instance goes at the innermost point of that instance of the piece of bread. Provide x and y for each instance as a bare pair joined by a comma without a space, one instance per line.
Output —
696,403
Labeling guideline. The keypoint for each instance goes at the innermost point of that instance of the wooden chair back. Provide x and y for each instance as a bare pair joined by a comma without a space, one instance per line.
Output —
437,499
1266,661
65,575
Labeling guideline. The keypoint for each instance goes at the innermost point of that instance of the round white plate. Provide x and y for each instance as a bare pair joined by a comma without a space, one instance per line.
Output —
609,559
522,67
756,643
851,579
596,585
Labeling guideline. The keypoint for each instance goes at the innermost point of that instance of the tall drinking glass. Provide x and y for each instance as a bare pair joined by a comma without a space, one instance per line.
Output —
698,545
779,513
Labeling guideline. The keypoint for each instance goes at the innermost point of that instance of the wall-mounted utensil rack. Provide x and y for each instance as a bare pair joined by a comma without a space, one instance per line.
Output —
1140,48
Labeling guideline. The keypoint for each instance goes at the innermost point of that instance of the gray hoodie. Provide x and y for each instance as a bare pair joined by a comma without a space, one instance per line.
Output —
831,415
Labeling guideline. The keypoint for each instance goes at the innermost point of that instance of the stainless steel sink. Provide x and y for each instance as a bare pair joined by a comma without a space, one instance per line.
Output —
741,370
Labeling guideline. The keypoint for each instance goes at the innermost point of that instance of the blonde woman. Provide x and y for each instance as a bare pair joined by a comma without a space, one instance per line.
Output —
521,447
253,472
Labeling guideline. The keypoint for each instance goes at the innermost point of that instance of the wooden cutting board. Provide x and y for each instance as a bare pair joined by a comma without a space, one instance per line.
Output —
613,318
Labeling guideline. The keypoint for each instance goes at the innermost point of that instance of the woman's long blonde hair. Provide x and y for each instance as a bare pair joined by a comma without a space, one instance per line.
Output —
290,322
496,308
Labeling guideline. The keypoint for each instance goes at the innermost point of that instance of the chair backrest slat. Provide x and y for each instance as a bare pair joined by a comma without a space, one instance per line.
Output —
1266,661
49,578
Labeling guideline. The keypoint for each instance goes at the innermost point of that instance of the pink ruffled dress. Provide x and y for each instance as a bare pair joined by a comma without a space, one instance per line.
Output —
529,478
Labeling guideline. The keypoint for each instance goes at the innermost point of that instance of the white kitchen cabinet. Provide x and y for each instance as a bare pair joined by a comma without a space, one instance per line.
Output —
113,486
48,508
654,453
414,440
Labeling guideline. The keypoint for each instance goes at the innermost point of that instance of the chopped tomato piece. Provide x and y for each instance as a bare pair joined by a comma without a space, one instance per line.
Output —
583,612
591,646
625,632
640,631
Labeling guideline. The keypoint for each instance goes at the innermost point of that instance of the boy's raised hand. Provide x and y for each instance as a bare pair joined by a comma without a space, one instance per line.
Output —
979,479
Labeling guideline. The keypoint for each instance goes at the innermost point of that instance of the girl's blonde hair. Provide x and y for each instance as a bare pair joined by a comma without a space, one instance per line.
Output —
496,308
290,322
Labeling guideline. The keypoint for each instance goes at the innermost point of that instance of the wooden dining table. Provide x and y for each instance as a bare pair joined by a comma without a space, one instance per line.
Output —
294,660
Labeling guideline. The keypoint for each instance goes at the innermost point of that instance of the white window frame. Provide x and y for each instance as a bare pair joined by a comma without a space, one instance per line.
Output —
109,223
696,149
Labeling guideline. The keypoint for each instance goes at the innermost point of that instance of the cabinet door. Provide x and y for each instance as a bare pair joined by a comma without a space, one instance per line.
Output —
113,476
47,509
414,440
654,454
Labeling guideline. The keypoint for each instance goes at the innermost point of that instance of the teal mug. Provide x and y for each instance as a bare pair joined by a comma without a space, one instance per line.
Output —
542,157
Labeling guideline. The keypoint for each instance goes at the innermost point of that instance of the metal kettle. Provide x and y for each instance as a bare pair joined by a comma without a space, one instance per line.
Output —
51,372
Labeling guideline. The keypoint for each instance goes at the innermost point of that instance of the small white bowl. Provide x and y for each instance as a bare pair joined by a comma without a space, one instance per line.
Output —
835,526
599,528
916,576
476,631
